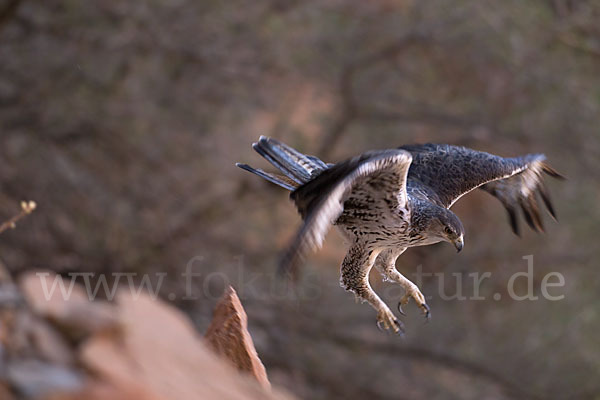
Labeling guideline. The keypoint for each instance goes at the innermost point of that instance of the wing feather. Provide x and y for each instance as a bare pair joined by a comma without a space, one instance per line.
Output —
520,191
452,171
321,200
444,173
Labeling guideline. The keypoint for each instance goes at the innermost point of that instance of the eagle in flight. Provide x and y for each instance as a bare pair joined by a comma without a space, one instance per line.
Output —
389,200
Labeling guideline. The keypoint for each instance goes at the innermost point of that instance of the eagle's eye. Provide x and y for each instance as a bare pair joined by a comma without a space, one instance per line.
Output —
448,230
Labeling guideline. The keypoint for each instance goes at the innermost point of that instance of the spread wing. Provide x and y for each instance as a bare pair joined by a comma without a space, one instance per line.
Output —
321,200
444,173
520,191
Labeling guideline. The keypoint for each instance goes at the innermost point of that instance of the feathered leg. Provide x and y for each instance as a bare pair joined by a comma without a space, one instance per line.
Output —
355,277
386,264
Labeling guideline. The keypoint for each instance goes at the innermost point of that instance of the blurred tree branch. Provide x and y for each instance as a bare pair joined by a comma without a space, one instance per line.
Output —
312,327
352,111
7,12
572,42
419,354
349,108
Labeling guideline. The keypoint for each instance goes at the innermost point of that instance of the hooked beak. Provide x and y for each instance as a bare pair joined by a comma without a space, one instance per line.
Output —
459,243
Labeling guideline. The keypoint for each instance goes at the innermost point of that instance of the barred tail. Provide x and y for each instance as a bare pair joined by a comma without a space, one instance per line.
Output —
297,168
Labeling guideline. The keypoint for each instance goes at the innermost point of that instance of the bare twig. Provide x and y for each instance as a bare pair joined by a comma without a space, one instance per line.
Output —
27,208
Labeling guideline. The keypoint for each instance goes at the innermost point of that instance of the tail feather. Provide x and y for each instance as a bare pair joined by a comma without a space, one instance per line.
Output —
280,180
318,164
307,166
275,162
297,168
290,159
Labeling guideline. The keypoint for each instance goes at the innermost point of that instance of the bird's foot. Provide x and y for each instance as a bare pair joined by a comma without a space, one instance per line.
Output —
414,292
387,320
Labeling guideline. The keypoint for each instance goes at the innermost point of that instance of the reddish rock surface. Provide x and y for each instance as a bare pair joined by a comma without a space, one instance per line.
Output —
228,336
155,354
161,352
76,315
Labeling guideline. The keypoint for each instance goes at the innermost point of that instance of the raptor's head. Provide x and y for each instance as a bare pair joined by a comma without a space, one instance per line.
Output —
439,224
451,229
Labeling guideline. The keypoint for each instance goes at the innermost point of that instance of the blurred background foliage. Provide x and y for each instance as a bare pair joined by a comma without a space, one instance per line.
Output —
123,120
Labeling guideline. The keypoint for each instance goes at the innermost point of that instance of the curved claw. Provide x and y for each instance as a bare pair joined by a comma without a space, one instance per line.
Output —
400,331
400,327
390,323
427,312
400,308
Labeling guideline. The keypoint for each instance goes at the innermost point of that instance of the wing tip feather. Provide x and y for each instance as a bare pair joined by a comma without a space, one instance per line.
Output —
552,172
514,221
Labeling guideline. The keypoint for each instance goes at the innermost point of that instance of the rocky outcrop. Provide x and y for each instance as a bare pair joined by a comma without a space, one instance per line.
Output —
134,347
228,336
77,317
